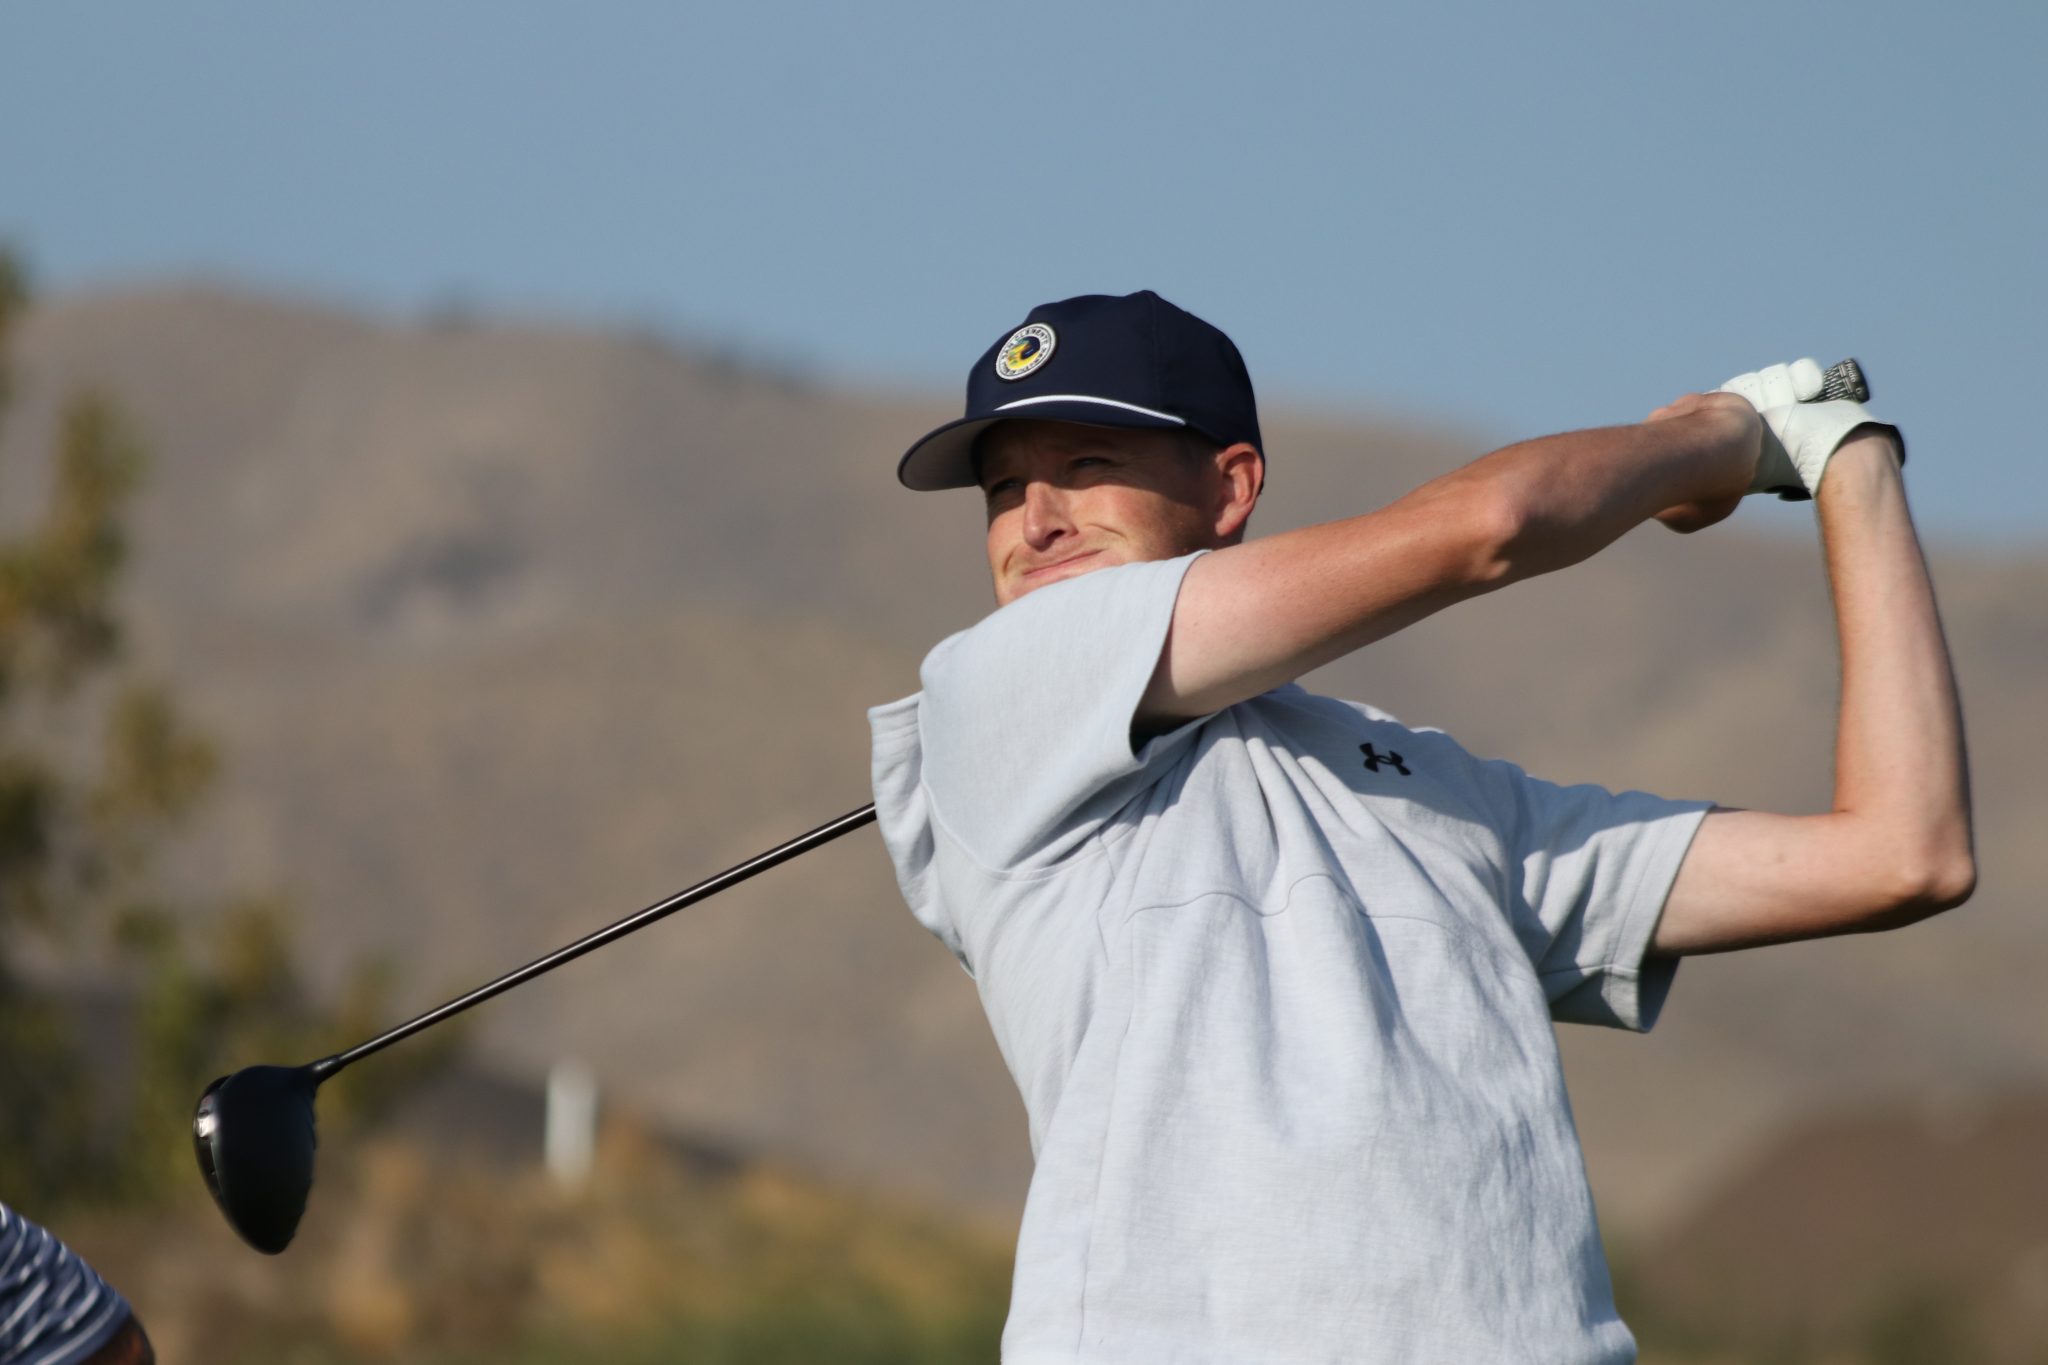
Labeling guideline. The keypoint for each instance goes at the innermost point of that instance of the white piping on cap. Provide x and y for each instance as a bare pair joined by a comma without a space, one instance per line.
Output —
1090,398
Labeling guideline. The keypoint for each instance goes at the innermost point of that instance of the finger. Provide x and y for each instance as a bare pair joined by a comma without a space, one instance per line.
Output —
1677,407
1749,386
1807,379
1775,386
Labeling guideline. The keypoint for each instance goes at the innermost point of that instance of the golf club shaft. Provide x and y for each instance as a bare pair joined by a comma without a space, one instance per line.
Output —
732,876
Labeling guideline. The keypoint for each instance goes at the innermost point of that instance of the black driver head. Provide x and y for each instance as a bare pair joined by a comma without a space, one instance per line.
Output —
254,1134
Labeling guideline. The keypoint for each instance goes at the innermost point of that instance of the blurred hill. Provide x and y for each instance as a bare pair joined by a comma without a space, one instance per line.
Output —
1913,1226
509,630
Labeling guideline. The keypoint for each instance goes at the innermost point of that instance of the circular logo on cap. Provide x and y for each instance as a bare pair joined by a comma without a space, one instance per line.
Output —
1028,347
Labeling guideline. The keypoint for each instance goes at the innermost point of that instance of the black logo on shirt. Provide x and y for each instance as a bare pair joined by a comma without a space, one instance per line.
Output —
1373,759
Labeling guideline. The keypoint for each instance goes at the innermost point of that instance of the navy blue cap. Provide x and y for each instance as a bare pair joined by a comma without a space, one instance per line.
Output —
1106,360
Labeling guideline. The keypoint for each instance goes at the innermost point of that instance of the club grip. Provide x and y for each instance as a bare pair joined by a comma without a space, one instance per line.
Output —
1844,379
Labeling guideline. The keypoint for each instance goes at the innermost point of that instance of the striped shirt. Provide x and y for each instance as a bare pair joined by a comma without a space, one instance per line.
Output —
53,1309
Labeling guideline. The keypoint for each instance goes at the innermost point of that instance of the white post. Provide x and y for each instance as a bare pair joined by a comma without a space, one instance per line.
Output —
571,1123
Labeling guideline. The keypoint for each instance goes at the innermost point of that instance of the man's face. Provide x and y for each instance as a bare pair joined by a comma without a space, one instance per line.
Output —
1065,500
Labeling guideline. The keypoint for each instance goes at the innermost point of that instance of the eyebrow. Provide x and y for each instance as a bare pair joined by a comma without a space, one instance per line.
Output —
1065,445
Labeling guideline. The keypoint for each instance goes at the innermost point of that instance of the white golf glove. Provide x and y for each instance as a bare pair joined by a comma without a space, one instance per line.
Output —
1801,430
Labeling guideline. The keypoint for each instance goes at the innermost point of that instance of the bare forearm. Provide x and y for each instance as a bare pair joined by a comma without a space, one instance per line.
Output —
1900,765
1256,615
1896,845
1574,495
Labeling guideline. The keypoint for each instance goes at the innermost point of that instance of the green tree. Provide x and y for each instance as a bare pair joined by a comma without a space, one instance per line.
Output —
98,769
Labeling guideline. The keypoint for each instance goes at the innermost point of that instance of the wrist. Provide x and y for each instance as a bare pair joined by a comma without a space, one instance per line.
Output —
1737,441
1868,458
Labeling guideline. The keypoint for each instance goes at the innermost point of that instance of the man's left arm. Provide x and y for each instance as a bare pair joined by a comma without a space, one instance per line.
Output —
1897,845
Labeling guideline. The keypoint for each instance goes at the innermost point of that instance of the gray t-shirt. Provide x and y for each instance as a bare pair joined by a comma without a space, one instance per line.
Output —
1277,988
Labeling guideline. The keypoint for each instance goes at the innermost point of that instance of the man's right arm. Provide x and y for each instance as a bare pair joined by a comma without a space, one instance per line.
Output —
1257,615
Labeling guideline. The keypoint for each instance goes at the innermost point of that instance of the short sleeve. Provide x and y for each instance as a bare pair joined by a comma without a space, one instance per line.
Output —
1026,717
1590,870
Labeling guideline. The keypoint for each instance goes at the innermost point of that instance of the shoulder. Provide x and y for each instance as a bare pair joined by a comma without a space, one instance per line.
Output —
1087,605
1024,725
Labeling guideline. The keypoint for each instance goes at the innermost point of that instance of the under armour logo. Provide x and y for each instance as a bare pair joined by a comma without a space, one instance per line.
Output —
1373,759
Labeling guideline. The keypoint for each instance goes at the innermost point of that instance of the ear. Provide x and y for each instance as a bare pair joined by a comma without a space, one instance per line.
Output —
1243,478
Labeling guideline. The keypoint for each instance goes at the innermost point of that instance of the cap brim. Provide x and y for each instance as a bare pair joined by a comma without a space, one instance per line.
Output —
945,457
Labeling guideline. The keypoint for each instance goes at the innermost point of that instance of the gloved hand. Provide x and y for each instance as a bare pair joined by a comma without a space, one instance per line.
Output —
1801,430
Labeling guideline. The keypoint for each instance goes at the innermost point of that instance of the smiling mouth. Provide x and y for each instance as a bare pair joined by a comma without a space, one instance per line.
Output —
1061,564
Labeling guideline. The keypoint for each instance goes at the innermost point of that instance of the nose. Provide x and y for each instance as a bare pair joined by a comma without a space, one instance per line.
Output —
1046,517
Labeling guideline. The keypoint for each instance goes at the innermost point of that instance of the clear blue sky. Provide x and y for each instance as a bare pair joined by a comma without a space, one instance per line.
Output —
1516,217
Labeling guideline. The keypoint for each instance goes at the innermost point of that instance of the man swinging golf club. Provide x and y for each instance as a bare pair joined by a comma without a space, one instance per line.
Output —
1276,974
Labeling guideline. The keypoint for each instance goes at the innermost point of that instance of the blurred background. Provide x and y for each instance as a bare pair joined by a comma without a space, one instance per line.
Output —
446,503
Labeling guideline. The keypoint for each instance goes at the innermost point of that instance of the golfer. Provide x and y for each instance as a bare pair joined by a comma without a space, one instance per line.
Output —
1275,973
54,1310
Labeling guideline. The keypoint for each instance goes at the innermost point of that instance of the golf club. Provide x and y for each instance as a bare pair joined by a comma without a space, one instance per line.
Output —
254,1129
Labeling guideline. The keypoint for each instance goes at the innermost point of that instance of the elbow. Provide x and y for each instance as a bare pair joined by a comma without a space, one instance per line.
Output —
1943,867
1924,885
1950,882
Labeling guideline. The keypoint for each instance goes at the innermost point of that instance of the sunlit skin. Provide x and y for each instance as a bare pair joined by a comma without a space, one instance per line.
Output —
1065,499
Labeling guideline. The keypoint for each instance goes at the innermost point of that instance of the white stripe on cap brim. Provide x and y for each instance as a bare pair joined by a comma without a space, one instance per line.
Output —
1091,398
945,457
